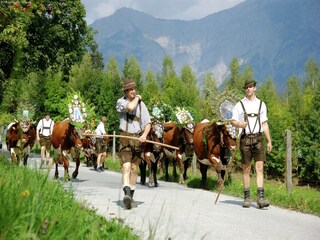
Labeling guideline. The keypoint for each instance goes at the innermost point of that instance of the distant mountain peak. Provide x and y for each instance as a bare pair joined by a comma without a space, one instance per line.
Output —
275,38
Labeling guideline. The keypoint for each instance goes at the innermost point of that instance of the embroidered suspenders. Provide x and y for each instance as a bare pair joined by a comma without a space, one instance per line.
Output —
43,127
257,115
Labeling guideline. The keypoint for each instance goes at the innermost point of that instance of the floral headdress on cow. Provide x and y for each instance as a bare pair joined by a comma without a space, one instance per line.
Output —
161,112
25,115
183,115
185,119
79,112
25,112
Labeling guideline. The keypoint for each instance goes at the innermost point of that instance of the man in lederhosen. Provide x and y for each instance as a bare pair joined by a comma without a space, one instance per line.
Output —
135,122
44,131
250,115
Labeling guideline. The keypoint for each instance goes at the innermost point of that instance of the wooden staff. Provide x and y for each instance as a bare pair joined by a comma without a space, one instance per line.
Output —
226,175
134,138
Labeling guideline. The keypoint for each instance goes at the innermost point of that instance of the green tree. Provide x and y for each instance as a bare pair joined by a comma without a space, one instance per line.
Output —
133,70
151,93
86,79
170,83
210,89
56,95
40,34
234,81
96,57
189,91
111,90
278,123
308,138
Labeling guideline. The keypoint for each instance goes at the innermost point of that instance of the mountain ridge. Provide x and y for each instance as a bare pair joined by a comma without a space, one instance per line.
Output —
274,37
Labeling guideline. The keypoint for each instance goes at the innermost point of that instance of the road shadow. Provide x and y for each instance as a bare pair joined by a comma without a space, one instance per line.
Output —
119,203
233,202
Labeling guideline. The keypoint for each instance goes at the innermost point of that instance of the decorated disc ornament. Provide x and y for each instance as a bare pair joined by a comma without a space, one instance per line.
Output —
226,110
226,114
77,110
183,116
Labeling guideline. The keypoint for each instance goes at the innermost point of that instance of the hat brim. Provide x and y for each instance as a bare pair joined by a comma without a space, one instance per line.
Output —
129,86
250,83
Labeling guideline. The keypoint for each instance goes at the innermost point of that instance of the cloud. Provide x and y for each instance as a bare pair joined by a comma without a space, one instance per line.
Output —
165,9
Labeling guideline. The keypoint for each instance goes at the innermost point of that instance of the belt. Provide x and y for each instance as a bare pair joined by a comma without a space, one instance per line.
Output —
253,135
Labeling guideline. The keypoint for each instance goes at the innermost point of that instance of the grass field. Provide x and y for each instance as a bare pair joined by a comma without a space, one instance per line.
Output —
33,207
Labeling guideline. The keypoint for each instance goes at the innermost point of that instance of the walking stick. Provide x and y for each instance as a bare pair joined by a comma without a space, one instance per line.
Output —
134,138
226,175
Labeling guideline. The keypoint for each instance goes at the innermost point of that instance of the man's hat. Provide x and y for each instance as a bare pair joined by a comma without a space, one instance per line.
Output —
249,81
128,83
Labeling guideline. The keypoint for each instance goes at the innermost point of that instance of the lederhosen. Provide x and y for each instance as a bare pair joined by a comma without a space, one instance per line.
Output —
101,146
251,144
130,149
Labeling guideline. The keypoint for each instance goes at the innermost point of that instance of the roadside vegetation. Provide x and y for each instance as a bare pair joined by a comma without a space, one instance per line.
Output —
33,207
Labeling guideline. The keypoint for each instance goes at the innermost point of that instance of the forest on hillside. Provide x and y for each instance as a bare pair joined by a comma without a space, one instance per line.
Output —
47,53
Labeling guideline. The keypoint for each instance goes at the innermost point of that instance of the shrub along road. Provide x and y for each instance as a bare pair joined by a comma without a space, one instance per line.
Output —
173,211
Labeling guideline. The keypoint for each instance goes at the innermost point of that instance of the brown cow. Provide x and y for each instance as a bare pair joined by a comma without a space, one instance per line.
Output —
64,137
186,151
207,140
187,147
152,154
20,139
173,136
89,150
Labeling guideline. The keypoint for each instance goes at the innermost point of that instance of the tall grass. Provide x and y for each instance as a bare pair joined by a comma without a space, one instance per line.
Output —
33,207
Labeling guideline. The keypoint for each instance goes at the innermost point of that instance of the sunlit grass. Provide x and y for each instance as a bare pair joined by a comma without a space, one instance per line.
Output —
33,207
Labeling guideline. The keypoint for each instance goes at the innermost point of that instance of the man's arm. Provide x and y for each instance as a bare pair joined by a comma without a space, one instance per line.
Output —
266,131
133,103
238,124
146,131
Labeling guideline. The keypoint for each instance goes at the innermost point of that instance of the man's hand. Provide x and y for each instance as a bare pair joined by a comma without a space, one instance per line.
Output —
142,138
139,96
269,147
242,124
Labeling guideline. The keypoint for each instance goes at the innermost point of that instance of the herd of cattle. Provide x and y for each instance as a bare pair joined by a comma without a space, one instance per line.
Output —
206,139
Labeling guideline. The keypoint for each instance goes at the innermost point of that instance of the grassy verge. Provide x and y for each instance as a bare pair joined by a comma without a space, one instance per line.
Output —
33,207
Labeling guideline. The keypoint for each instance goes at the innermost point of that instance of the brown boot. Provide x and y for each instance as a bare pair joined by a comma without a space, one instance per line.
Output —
247,200
261,201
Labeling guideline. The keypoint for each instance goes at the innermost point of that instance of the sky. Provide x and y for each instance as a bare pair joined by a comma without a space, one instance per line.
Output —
164,9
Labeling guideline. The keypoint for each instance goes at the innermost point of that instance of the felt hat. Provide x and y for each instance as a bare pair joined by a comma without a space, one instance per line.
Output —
128,83
249,81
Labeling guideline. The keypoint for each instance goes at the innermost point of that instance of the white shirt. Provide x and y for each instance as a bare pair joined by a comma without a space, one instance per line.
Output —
100,130
45,127
251,106
133,126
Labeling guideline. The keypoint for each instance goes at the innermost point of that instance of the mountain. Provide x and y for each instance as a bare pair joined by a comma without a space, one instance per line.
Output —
275,37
